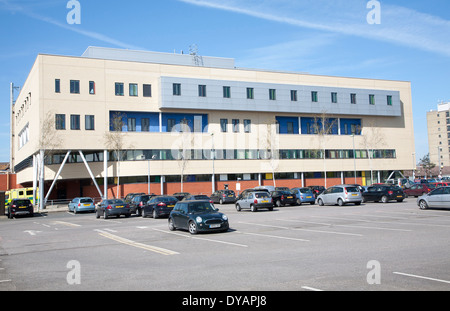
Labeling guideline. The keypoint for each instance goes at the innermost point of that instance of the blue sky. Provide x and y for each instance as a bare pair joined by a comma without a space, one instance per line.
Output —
325,37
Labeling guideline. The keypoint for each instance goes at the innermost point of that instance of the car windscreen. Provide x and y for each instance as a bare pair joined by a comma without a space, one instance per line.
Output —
166,199
22,202
305,190
229,192
86,201
352,189
201,207
115,201
262,195
201,197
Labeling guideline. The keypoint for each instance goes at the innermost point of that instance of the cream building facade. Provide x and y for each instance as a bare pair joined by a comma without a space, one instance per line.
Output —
205,119
438,123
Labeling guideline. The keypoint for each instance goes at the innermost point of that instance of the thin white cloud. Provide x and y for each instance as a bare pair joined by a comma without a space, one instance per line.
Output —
399,25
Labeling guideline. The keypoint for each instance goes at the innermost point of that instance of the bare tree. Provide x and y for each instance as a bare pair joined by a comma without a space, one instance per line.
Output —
270,146
373,137
49,140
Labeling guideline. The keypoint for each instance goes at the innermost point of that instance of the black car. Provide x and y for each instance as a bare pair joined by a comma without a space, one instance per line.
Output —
160,205
138,202
130,196
19,207
281,198
223,196
192,197
383,193
180,195
112,207
197,216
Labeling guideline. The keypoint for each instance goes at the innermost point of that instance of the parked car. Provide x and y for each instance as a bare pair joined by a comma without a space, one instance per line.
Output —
304,195
282,189
317,190
197,216
160,205
340,195
113,207
138,202
130,196
180,195
223,196
255,201
438,184
192,197
438,198
281,198
241,195
82,205
20,207
383,194
417,190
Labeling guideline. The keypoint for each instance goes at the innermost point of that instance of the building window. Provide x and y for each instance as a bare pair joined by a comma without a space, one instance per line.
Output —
314,98
91,87
389,100
353,99
247,126
235,125
133,89
147,90
290,127
250,93
60,121
89,122
74,122
202,90
223,125
177,89
119,89
372,99
131,124
170,124
272,94
74,86
293,95
334,98
145,125
226,92
57,86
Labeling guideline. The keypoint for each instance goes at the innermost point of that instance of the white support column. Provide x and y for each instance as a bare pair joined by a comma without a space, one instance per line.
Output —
303,179
35,176
90,173
162,185
57,176
41,180
342,178
105,174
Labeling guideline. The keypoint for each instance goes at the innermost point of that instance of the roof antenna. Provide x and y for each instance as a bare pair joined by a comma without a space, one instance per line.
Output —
193,51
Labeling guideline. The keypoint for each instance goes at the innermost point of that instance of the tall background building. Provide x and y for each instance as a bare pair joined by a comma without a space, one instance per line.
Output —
438,122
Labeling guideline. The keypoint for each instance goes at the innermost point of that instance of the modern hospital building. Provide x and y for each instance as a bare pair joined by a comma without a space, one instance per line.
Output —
171,115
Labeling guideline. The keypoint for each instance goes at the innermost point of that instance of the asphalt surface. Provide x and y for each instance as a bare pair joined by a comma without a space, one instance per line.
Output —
372,247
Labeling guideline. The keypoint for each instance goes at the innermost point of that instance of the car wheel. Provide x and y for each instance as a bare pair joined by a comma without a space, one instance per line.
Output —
139,211
384,199
340,202
299,202
278,203
220,201
253,208
144,214
105,215
320,202
97,214
171,225
423,205
155,214
193,227
238,207
312,203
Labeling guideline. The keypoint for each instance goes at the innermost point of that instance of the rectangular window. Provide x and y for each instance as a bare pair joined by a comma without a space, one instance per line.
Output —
272,94
60,121
119,89
235,125
372,99
202,90
353,99
170,124
314,97
89,121
334,98
74,86
293,95
91,87
223,125
226,92
177,89
131,124
290,127
145,125
389,100
133,89
247,126
57,86
250,93
74,122
147,90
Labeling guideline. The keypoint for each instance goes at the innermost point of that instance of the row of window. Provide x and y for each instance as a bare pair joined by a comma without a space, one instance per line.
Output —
75,123
119,88
273,94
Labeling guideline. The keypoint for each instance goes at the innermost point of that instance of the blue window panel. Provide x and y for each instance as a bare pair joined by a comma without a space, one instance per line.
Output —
309,126
351,126
287,125
184,118
152,116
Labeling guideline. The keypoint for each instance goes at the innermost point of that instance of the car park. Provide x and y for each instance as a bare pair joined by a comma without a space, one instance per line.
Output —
113,207
20,207
417,190
254,201
197,216
383,193
438,198
223,196
281,198
304,195
138,202
81,205
340,195
158,206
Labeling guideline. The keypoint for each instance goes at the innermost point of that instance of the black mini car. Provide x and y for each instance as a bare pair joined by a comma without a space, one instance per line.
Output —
383,193
19,207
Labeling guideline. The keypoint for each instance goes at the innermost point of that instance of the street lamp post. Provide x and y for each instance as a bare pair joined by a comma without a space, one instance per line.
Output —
213,156
148,162
354,156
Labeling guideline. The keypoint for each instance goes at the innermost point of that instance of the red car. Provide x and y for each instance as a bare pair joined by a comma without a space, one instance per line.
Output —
417,190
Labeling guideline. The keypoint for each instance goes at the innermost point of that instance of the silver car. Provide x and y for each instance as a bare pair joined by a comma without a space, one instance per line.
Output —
439,198
340,195
255,201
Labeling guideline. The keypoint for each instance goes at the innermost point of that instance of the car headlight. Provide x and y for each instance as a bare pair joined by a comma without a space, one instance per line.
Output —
225,217
198,219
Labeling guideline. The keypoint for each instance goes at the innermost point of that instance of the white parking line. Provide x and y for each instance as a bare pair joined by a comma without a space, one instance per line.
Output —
422,277
312,289
5,281
273,236
347,226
